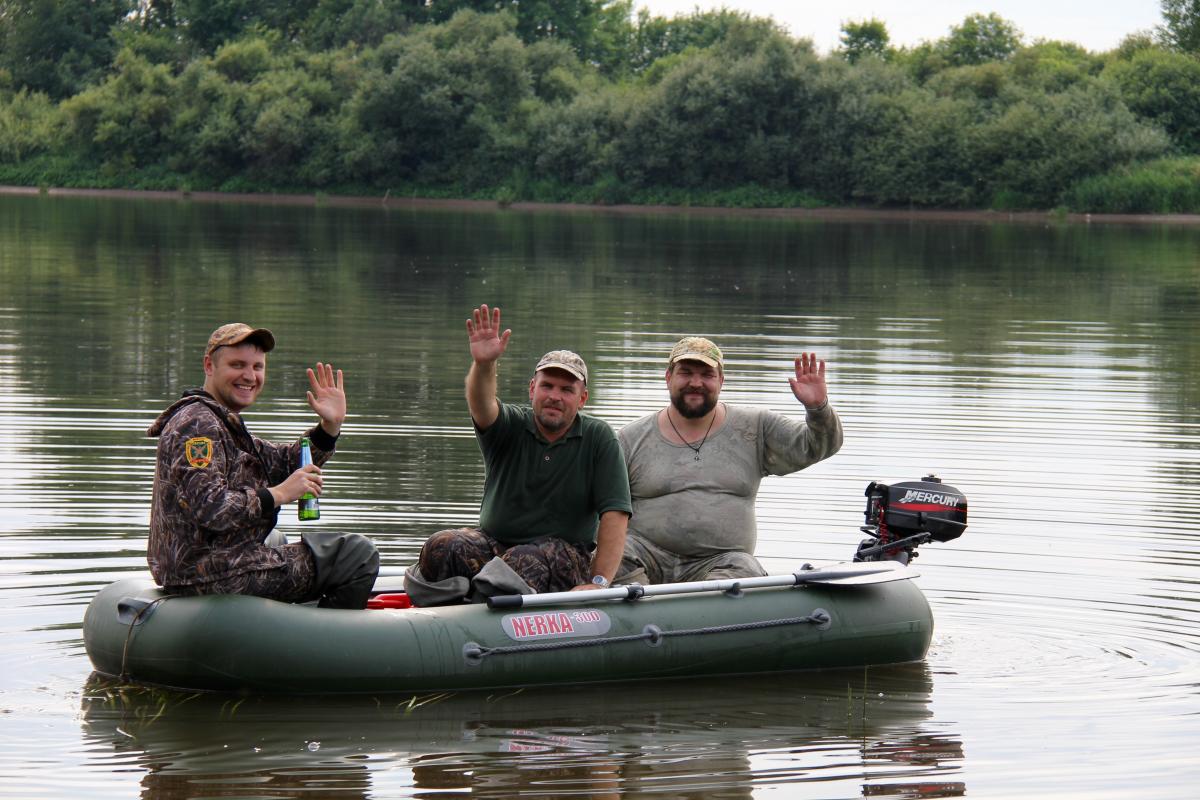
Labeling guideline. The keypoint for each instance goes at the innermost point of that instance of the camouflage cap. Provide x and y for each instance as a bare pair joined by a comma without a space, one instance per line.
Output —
566,360
697,348
238,332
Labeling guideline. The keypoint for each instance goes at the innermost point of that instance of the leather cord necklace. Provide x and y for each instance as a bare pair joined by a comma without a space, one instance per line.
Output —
694,447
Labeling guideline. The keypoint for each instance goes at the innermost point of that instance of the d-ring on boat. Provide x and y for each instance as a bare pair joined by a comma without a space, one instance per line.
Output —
864,612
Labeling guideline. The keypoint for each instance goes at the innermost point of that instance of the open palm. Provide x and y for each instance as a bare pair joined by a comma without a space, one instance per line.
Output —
483,329
808,385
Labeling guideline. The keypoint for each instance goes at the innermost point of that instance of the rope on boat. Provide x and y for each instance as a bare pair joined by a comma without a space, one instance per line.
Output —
652,634
141,612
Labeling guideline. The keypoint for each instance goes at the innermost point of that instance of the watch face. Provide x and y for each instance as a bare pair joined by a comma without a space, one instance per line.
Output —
600,580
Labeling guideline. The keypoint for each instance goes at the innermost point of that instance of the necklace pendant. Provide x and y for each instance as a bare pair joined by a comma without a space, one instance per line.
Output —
696,457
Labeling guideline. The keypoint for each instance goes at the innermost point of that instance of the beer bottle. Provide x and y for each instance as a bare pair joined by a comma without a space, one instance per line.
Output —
307,507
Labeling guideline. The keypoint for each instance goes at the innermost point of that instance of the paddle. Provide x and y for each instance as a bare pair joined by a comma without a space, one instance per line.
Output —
837,575
844,575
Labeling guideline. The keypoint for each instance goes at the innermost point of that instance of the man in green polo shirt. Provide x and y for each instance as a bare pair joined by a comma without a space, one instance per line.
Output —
556,492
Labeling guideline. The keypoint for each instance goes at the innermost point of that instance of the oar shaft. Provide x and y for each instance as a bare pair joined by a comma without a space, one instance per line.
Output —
875,571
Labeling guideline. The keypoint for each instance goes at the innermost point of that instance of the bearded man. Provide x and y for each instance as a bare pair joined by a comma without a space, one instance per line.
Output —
696,465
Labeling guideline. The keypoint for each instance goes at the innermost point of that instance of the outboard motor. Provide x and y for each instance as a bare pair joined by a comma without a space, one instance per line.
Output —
901,516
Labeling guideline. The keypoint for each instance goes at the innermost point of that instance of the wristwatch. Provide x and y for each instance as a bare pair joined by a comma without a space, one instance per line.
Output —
600,581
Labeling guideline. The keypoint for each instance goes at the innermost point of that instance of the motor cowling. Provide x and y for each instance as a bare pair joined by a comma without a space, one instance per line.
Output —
901,516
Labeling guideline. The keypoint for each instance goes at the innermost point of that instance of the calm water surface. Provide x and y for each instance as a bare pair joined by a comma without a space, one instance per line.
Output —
1052,373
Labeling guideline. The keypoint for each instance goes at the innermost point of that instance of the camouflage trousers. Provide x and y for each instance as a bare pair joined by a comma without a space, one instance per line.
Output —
547,565
295,582
336,569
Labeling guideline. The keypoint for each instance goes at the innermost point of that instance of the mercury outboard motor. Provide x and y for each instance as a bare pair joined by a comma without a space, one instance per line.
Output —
901,516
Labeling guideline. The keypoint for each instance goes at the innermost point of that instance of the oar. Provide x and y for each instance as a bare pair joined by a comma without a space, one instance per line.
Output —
843,575
837,575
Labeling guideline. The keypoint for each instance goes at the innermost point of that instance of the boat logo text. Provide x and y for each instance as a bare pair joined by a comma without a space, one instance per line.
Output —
938,498
556,624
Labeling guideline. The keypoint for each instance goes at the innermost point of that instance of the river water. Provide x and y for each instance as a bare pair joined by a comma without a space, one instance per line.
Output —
1050,371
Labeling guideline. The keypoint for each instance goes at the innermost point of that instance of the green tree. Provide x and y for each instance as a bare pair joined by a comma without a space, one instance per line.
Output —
210,23
721,117
335,23
58,46
655,38
126,121
444,104
1181,25
981,38
1164,87
866,38
29,123
1053,65
591,27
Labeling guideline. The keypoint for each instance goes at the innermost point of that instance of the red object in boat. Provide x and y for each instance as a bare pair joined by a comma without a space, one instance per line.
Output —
398,600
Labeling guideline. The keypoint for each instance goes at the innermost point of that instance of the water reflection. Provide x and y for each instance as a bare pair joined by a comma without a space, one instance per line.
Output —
704,738
1050,372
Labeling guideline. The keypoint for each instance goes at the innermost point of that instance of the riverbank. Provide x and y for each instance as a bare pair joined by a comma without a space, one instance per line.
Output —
848,214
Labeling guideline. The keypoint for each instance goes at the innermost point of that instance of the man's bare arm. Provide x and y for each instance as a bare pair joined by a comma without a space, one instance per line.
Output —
487,345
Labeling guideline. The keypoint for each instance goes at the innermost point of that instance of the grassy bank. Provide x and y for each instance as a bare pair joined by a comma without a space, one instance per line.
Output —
59,172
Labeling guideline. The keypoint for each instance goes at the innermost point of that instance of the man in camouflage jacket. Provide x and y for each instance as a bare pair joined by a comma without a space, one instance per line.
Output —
218,489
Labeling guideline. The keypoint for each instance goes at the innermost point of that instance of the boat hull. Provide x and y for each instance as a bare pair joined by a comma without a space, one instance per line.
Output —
235,643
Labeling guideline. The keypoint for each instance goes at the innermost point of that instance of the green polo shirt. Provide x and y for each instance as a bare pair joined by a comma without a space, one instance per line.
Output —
534,488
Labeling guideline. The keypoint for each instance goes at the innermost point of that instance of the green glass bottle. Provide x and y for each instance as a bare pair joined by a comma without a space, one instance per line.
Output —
307,507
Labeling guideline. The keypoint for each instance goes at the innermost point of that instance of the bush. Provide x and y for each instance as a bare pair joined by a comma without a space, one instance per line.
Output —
1163,87
1167,186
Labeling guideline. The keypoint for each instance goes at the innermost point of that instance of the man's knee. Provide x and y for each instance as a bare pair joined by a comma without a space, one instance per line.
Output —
735,565
632,570
346,567
451,538
551,565
455,552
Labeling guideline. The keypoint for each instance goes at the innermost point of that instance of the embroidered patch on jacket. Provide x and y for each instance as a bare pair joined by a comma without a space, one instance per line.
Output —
199,451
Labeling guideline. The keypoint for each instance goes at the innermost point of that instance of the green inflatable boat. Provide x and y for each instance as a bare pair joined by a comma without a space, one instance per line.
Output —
868,612
841,616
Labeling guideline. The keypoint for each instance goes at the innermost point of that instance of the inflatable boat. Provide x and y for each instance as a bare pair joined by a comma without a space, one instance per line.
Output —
867,612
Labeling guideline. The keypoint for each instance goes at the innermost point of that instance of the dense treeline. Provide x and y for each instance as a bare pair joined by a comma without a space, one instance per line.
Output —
581,100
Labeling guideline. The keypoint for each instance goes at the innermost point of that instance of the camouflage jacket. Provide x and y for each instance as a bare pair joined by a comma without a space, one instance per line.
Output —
211,509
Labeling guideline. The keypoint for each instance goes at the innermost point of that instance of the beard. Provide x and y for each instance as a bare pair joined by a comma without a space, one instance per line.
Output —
679,400
553,423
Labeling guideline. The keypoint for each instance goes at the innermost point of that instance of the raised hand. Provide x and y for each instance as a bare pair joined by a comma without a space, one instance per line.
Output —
809,383
327,397
487,342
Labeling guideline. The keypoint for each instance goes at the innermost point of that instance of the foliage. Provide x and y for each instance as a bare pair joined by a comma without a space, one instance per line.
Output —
981,38
376,96
866,38
1168,186
656,38
28,122
1181,25
1164,87
337,23
57,46
1053,66
718,118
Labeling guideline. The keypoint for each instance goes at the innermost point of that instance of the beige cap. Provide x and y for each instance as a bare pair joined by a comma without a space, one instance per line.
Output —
697,348
564,359
238,332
